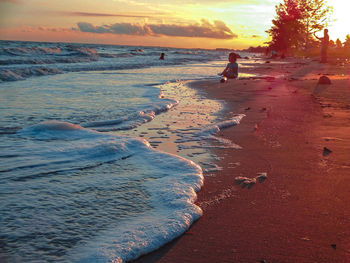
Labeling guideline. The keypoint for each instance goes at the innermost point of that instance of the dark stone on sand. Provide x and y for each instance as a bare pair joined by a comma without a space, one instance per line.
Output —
261,177
324,80
326,151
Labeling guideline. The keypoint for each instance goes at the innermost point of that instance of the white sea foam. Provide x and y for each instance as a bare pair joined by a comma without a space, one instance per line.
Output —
132,120
172,196
207,133
61,146
221,125
171,182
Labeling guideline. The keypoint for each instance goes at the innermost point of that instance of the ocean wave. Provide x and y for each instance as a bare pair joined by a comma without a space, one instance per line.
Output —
9,130
119,55
82,50
21,60
99,215
20,51
55,60
132,121
172,192
208,133
21,74
187,52
215,128
76,148
53,130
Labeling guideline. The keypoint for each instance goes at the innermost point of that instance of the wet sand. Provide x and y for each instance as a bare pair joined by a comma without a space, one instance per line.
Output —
298,133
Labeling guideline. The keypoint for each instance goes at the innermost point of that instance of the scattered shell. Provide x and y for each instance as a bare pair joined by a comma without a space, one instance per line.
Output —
245,181
240,179
261,177
251,183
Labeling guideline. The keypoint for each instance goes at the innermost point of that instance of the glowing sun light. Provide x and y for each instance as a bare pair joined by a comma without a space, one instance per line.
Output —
340,27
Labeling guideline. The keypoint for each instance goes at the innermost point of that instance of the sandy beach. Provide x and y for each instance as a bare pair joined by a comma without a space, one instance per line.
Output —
298,133
121,139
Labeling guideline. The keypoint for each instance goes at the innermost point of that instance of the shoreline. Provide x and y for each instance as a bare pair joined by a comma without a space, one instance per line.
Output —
299,214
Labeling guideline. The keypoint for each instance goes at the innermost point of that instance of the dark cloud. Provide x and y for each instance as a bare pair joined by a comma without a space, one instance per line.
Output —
218,29
120,28
53,29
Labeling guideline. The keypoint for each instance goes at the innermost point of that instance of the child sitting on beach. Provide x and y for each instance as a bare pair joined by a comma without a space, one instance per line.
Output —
231,70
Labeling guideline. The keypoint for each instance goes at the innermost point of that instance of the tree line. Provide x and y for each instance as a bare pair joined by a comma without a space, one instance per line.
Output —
296,23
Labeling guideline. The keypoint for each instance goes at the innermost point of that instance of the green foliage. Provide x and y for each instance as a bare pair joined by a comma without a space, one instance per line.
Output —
338,43
287,27
347,41
296,22
315,15
331,44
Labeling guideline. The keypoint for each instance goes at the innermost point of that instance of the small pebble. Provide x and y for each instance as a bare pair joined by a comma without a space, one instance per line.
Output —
326,151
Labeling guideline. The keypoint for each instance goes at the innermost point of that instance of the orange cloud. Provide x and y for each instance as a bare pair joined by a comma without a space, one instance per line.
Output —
205,29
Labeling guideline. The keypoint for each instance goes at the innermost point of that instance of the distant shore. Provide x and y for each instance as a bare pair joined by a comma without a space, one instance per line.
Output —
298,133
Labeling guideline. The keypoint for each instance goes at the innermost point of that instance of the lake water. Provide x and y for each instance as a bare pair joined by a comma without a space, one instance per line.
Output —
102,148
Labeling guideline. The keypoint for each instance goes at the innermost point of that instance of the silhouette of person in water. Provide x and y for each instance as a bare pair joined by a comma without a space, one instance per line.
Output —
231,70
162,56
324,45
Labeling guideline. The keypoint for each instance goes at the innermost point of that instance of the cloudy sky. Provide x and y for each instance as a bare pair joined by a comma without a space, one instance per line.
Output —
175,23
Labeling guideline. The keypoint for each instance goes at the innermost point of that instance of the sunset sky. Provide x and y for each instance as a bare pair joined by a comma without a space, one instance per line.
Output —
175,23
